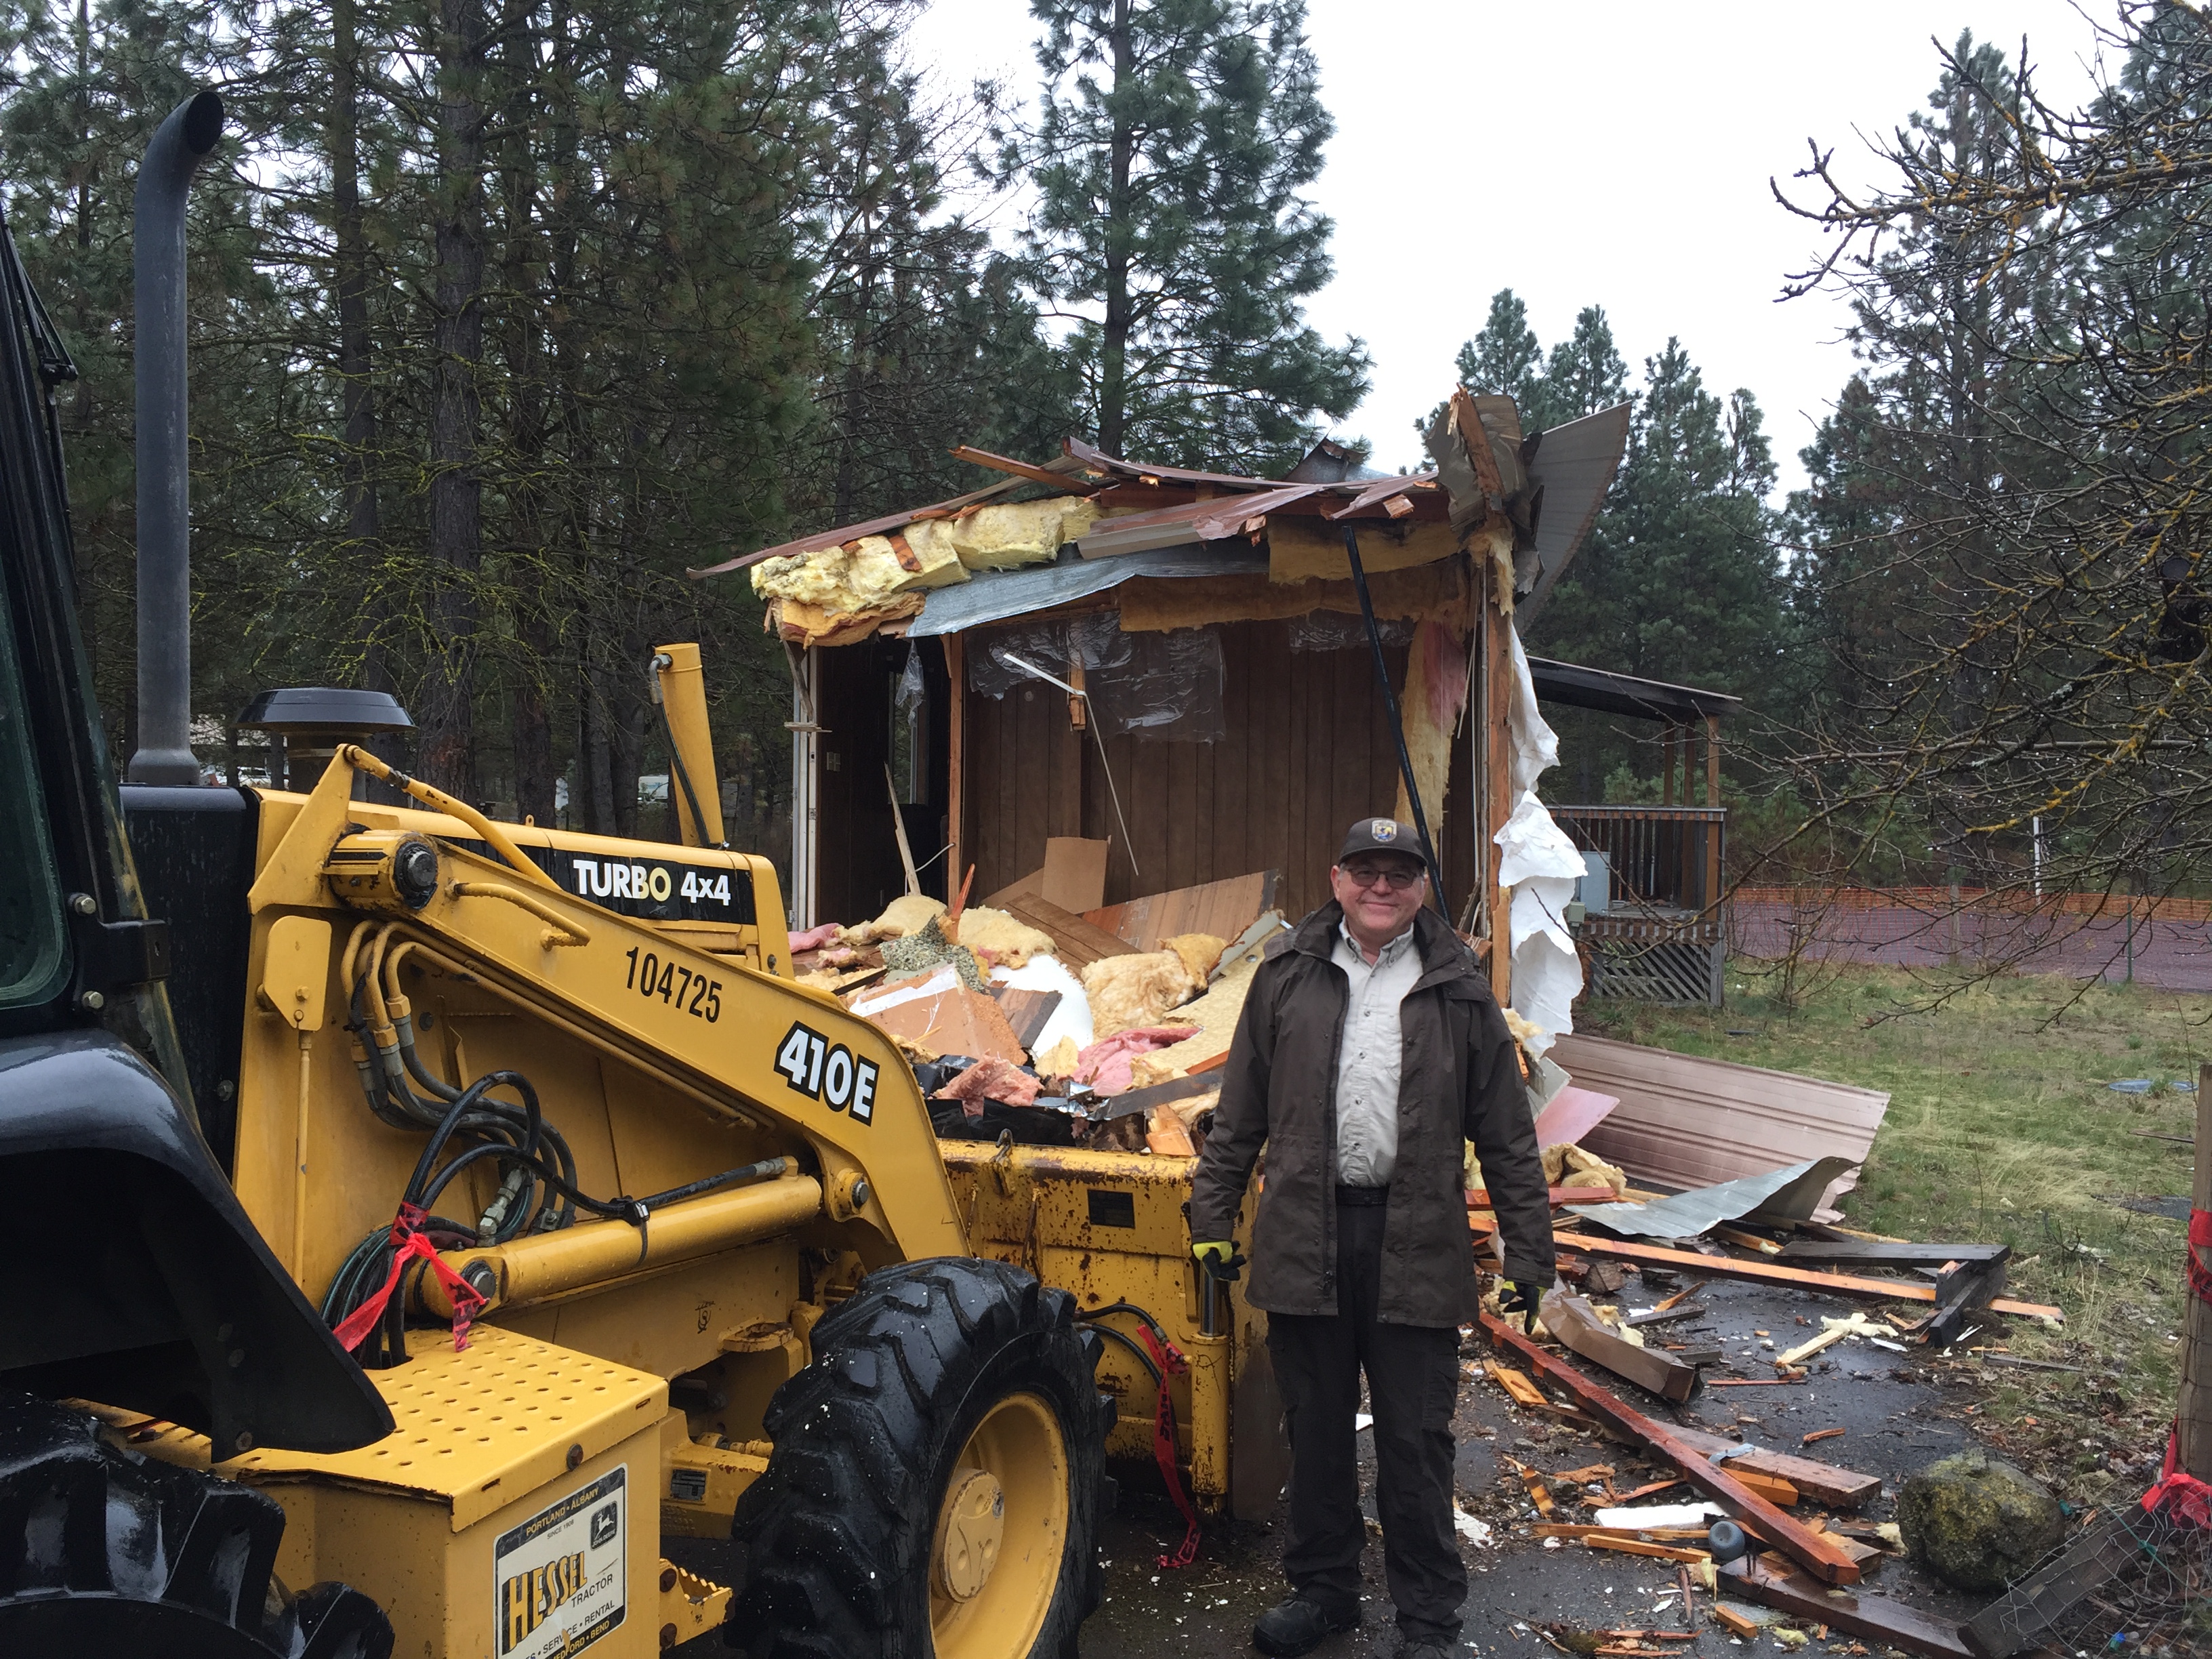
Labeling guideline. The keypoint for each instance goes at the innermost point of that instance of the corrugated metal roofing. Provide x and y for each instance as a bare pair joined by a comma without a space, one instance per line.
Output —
1575,464
994,598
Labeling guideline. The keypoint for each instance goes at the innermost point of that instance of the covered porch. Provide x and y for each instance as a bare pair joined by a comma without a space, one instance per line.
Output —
1655,923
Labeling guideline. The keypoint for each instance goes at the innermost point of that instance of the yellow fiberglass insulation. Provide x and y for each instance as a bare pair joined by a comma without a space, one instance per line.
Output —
1215,1014
816,578
930,541
1312,550
1059,1061
1434,694
1007,534
1009,941
1198,952
908,913
1126,991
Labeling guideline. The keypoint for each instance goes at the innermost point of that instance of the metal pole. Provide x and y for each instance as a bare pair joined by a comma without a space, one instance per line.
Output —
181,143
1397,726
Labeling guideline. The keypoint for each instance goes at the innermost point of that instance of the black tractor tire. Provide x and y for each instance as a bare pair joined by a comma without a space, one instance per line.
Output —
104,1551
835,1539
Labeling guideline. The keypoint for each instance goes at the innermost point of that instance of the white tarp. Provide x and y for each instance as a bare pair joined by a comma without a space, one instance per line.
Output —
1539,868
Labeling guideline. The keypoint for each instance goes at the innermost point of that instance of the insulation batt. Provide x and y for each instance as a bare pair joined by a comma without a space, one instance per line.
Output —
1434,694
815,937
1215,1014
1198,952
1008,940
908,913
1005,535
991,1080
1134,990
1105,1063
1060,1059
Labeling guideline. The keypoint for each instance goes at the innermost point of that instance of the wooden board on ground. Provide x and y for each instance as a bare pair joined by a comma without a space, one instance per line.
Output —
1845,1489
1576,1324
1076,942
1823,1554
1686,1122
1773,1273
1072,876
1222,908
1893,1623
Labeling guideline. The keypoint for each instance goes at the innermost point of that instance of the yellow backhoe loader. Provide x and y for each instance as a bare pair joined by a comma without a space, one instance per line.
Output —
494,1206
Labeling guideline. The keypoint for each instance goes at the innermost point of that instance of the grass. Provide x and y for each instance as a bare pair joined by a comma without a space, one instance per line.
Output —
2002,1128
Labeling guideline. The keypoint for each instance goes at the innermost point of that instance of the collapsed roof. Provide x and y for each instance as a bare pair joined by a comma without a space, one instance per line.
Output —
1084,522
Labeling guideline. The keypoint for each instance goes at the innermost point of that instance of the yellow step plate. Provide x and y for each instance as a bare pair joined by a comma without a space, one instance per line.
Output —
502,1417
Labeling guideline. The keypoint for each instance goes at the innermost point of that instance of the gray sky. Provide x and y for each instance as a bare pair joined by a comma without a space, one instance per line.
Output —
1605,152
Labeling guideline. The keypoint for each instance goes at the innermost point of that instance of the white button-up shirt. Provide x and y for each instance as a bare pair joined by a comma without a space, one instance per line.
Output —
1368,1057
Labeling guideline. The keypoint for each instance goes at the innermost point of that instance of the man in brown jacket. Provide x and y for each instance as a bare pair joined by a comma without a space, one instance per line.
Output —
1369,1049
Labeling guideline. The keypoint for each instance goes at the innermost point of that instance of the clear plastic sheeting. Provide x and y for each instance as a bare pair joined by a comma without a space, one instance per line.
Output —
1332,631
1165,687
1169,690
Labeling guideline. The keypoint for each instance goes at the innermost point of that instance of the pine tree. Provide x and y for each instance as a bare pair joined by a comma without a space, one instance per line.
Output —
1679,579
1503,356
1584,375
1170,150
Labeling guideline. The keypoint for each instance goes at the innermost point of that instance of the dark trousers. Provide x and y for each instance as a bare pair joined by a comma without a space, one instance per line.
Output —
1413,1385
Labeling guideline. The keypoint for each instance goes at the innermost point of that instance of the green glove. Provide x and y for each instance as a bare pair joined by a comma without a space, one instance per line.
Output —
1517,1296
1221,1258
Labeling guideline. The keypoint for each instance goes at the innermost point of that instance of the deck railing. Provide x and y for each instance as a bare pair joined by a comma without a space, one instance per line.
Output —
1657,931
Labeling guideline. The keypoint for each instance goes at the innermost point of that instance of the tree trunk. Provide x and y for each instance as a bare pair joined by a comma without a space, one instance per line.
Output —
1114,355
446,715
529,714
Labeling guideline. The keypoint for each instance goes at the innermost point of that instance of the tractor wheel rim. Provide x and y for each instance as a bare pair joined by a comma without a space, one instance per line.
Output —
1001,1532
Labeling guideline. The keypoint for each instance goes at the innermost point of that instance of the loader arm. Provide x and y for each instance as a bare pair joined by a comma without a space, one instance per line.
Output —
742,1041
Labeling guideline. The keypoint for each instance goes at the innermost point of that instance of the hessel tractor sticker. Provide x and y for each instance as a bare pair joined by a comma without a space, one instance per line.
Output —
828,1072
561,1575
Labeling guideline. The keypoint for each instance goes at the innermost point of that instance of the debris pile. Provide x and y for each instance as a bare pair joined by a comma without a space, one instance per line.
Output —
1044,1014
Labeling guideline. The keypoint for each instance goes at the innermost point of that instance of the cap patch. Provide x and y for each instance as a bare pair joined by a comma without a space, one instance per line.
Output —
1383,829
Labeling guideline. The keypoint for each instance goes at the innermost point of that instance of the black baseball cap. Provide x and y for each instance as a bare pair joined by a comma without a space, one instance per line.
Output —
1380,835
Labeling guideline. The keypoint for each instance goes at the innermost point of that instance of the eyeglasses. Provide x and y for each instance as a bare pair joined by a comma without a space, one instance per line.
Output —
1396,878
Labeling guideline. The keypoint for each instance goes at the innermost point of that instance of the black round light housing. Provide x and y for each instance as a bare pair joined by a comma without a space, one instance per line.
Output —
415,872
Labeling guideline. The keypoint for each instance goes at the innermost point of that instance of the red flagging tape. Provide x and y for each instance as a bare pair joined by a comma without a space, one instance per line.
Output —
1171,1363
408,1243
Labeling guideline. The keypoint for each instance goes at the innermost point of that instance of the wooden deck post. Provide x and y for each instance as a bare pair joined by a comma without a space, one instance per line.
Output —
2194,1415
1713,800
1667,764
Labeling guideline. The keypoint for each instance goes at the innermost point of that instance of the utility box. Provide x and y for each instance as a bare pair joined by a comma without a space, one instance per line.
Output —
1593,887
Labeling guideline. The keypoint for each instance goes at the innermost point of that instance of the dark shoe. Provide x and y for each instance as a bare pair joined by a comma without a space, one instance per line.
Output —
1299,1624
1424,1650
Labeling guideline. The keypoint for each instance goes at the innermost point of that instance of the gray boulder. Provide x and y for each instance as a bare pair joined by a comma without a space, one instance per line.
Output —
1977,1521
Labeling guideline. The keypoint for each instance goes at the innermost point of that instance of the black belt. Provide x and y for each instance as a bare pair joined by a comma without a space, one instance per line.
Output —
1363,1197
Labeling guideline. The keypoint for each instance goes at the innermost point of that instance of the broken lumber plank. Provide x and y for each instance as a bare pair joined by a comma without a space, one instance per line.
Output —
1962,1289
1738,1624
1633,1546
1888,1255
1838,1329
1587,1529
1773,1273
1576,1324
1885,1620
1518,1384
2025,1614
1226,909
1538,1494
1820,1434
1663,1316
1824,1483
1076,942
1025,1011
1822,1554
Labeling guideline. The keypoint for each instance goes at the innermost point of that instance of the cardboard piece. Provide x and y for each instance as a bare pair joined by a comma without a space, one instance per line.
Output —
956,1021
1072,876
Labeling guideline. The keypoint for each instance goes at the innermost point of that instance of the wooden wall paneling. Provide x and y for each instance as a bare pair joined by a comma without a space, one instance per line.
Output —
1230,761
956,792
